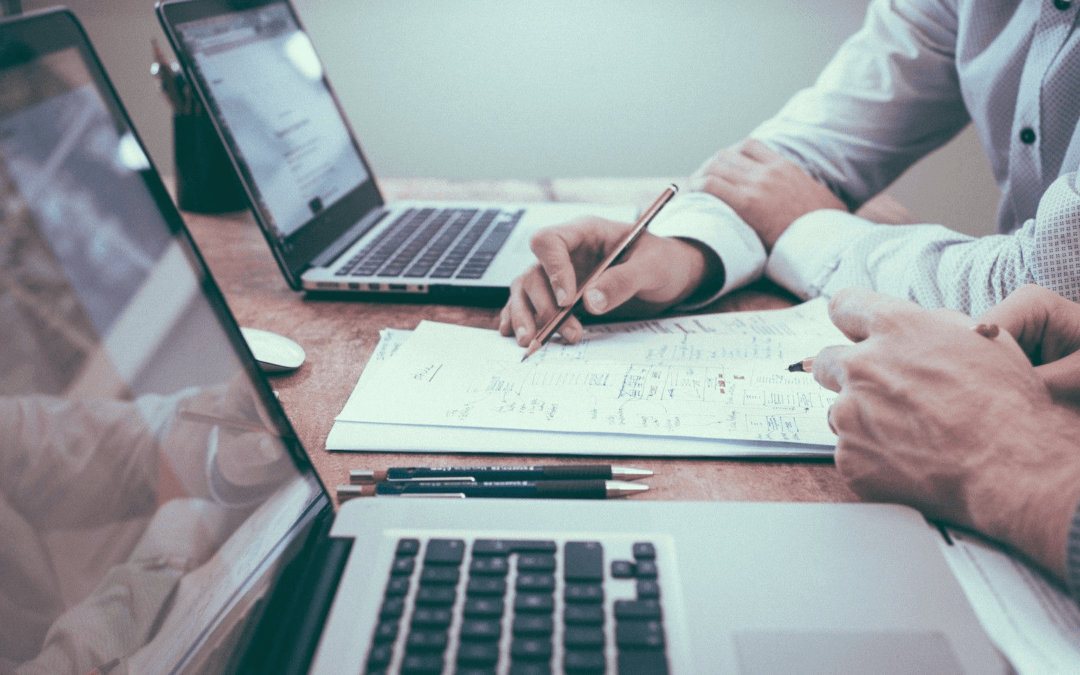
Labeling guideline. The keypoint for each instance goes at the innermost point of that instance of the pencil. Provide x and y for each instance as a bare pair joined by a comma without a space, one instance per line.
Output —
628,240
804,366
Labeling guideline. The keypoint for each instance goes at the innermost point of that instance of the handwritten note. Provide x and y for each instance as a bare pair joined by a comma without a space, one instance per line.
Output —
720,376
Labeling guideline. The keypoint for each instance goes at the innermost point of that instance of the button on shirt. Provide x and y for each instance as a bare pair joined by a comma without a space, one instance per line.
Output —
915,75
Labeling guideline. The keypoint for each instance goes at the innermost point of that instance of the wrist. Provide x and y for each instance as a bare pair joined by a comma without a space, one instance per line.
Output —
1030,500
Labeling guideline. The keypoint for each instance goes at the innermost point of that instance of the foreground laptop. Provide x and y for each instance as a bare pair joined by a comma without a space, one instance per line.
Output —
311,188
160,516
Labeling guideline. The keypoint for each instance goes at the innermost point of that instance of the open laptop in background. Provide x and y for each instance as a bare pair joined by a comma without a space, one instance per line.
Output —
313,192
160,515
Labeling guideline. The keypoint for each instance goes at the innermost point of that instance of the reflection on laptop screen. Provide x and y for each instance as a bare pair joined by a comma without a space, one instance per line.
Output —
145,487
267,85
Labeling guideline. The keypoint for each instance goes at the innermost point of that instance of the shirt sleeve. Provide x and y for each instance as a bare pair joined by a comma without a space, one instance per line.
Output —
1072,556
931,265
889,96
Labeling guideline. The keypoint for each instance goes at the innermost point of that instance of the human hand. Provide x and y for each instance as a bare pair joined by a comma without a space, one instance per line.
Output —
657,273
934,415
766,190
1047,327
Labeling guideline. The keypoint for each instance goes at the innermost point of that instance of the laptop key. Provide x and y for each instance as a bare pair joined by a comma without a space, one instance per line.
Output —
478,653
622,569
640,634
586,593
637,609
646,569
536,562
527,668
531,648
426,641
583,637
444,552
386,631
585,615
437,596
397,586
407,547
644,550
535,583
533,625
403,566
584,662
431,618
483,607
583,561
647,589
422,664
392,608
380,655
642,662
534,603
481,629
491,566
439,575
486,586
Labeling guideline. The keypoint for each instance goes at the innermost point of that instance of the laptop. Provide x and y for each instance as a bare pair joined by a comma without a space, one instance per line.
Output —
311,189
161,516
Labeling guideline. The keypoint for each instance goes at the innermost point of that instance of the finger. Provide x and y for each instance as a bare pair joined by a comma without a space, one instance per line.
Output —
537,308
858,312
830,366
506,328
522,317
553,247
1046,325
1062,378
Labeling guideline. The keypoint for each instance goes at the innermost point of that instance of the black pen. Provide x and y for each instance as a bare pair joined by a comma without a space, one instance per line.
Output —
509,472
544,489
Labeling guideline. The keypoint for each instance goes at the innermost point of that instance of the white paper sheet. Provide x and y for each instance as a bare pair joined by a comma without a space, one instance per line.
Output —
1034,623
704,385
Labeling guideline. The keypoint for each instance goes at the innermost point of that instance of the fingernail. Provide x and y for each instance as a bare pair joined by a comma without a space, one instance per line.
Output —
521,331
597,300
987,330
560,296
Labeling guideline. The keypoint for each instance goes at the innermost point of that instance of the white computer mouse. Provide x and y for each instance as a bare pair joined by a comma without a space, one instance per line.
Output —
275,353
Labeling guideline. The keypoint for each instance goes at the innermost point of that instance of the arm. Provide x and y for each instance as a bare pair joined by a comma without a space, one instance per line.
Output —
932,414
933,266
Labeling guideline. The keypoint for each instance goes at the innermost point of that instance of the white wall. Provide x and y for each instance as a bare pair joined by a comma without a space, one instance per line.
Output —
558,88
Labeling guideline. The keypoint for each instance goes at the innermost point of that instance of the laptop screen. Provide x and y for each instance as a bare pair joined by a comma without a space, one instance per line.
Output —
265,88
148,480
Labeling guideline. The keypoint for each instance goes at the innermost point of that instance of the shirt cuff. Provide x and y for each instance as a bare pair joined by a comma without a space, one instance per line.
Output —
704,218
809,251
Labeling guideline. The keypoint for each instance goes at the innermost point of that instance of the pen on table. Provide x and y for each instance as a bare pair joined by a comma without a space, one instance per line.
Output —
628,240
230,422
510,472
543,489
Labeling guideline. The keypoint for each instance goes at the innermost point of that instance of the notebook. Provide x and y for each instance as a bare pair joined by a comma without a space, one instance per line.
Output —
312,190
161,516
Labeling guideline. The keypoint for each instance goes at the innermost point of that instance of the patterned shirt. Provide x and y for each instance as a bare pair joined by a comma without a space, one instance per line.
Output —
905,84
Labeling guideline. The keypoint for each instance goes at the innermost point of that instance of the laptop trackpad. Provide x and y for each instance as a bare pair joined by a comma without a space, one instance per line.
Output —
832,653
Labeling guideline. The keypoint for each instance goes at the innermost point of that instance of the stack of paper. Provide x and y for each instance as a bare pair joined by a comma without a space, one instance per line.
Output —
714,385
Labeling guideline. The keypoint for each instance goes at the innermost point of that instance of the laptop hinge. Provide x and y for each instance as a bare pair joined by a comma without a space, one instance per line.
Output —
349,237
293,616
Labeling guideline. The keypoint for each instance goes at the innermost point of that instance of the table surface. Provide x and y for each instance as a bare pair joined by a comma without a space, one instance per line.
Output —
340,335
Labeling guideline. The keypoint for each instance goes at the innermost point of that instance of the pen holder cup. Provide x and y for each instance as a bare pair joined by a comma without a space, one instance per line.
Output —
205,179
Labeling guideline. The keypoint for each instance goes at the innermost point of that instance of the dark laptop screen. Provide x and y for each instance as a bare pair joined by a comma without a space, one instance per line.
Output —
265,89
148,481
266,83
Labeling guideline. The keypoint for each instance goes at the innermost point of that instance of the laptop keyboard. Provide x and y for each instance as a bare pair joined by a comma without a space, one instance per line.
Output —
518,607
458,243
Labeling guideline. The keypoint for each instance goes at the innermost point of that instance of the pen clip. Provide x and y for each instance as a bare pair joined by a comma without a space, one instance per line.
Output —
441,479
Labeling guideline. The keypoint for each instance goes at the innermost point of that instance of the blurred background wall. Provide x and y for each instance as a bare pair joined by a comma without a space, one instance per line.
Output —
464,89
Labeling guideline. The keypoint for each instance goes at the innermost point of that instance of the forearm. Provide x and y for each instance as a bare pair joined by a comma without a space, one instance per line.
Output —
888,97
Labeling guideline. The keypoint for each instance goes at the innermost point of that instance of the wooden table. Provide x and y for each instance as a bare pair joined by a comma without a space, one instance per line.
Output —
339,337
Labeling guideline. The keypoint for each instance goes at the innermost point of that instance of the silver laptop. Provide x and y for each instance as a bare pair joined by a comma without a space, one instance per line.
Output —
311,188
160,515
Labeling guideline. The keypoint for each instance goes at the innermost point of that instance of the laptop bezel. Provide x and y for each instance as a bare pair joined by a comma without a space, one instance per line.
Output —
296,252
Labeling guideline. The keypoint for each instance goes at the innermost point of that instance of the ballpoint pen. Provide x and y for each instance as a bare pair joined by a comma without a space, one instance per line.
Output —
624,245
509,472
544,489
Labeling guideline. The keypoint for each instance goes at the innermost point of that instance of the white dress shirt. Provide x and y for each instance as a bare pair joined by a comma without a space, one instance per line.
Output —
905,84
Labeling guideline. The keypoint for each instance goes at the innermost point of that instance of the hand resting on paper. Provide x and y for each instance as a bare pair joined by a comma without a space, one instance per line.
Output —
932,414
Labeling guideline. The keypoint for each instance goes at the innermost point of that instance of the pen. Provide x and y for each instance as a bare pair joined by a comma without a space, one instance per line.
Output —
544,489
480,473
804,366
628,240
230,422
